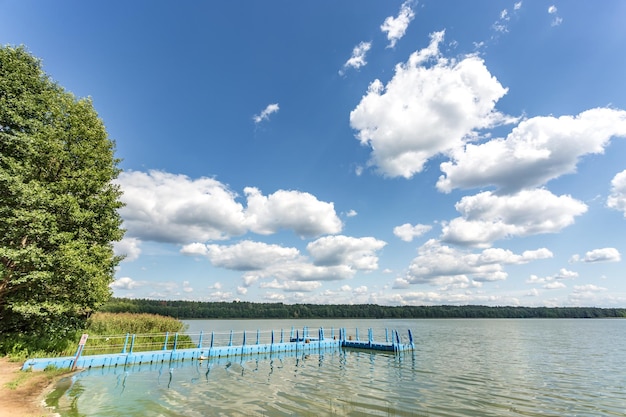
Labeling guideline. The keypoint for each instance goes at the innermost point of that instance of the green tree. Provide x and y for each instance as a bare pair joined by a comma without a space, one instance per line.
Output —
58,206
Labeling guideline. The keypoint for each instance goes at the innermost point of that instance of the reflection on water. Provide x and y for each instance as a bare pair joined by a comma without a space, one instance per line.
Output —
460,367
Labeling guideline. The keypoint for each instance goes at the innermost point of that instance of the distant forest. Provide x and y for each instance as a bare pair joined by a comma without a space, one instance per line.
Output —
247,310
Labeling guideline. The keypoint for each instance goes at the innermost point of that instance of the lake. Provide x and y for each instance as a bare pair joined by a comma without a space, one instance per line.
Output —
465,367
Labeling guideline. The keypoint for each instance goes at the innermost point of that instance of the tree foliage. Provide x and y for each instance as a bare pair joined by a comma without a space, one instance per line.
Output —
58,205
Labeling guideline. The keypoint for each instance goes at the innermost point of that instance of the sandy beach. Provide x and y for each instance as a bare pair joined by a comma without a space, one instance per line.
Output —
27,400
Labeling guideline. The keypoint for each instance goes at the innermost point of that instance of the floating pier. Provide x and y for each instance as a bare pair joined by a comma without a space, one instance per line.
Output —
160,348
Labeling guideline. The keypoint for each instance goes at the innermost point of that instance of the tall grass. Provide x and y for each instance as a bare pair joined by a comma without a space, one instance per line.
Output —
101,324
108,333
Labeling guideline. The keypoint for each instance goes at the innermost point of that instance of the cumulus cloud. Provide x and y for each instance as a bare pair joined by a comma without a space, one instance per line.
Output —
296,210
617,198
292,286
395,27
487,217
599,255
332,258
408,231
357,60
426,110
125,283
243,256
357,253
563,274
438,264
536,151
265,114
166,207
129,248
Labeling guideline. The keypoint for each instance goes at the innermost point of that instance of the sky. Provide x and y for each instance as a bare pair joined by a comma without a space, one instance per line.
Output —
397,153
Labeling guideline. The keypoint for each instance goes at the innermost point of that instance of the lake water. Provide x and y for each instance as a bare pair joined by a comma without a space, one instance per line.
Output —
483,367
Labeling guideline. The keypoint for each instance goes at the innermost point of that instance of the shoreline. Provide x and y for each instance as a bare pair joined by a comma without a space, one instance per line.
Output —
29,398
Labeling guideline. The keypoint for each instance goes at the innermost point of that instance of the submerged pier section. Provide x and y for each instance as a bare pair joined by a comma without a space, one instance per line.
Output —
124,350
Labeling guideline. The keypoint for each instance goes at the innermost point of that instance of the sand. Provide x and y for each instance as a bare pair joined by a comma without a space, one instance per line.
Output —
27,400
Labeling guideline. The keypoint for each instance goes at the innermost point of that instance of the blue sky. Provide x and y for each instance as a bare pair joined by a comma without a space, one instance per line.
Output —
388,152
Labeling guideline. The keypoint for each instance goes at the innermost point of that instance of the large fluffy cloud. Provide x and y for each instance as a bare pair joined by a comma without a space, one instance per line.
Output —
487,217
599,255
407,231
296,210
174,208
333,258
243,256
358,253
439,264
537,150
426,110
617,199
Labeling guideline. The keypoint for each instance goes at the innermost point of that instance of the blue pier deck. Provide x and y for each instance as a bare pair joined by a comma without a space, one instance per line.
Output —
133,352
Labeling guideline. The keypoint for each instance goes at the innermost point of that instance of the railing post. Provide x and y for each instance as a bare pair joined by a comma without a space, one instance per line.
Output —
167,336
386,335
411,339
230,341
200,341
357,333
282,335
212,335
175,341
132,343
257,336
125,343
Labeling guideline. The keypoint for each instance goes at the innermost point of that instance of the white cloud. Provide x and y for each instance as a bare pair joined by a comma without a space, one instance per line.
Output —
296,210
438,264
166,207
351,213
357,253
554,285
333,258
517,5
424,111
292,286
129,247
301,271
125,283
395,27
357,60
601,255
265,114
563,274
407,231
617,199
536,151
243,256
557,20
487,217
588,288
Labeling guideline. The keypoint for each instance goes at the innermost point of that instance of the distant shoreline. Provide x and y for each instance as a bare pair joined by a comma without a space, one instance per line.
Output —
248,310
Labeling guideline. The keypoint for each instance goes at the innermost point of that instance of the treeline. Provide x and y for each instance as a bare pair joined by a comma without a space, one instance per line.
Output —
248,310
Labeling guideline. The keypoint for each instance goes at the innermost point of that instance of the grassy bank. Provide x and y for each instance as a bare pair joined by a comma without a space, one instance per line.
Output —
107,334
